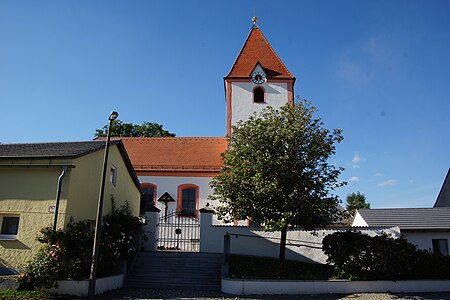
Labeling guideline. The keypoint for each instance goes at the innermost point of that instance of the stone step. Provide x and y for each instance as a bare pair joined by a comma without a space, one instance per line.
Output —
168,254
174,277
175,267
144,285
181,270
177,281
176,262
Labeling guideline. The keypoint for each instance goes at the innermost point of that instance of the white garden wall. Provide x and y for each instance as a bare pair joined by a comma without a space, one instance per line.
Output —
291,287
81,288
301,245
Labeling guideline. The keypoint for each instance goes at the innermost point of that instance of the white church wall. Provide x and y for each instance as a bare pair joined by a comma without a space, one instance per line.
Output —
242,105
170,184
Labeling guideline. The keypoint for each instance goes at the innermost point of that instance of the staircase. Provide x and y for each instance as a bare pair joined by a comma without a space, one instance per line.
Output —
176,270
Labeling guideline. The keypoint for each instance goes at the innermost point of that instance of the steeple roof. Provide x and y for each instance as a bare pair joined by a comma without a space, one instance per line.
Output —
257,49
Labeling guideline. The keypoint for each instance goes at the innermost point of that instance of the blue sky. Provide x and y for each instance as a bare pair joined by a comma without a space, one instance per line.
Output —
380,70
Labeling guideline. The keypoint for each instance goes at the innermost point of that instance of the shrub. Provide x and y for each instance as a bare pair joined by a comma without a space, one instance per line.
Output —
67,253
42,270
359,256
77,241
431,265
121,231
120,236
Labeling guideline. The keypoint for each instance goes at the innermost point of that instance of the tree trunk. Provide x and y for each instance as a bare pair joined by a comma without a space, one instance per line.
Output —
282,255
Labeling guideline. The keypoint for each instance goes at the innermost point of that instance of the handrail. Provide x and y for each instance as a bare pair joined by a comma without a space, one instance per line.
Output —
227,247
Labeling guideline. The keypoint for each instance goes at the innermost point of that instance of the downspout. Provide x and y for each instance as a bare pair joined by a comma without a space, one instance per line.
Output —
58,196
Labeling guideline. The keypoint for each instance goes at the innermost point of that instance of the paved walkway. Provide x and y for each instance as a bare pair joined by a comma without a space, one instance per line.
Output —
143,294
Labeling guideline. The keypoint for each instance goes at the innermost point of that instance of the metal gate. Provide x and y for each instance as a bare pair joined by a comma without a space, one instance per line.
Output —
179,231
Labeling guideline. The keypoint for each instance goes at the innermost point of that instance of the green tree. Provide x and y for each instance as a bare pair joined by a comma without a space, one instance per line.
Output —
356,201
276,171
122,129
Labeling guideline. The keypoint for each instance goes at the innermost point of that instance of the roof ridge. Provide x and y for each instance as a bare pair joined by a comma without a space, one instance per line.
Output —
48,143
174,138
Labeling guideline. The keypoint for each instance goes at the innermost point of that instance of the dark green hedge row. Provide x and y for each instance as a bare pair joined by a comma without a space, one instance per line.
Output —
361,257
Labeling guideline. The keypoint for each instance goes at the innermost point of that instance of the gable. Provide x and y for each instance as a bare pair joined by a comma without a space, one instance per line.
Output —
52,154
443,199
258,68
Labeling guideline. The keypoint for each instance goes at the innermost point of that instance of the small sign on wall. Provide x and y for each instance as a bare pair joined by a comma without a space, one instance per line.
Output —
51,209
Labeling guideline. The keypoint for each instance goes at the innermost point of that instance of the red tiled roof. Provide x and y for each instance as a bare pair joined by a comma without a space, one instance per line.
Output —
175,153
256,49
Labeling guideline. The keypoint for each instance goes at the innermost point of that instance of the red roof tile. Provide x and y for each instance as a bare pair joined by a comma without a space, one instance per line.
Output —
256,49
175,153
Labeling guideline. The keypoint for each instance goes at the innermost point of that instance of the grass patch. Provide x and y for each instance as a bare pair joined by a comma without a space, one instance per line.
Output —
19,295
252,267
33,295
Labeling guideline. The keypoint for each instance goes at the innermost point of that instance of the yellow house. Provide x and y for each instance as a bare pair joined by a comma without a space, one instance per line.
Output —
30,175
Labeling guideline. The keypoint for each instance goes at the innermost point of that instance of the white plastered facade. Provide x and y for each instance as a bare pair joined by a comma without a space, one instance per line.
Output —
170,185
424,239
242,105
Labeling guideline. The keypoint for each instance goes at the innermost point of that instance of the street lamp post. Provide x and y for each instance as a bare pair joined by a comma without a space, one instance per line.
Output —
98,221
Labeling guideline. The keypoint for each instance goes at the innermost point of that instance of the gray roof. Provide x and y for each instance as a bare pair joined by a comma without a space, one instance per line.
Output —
64,150
51,150
437,218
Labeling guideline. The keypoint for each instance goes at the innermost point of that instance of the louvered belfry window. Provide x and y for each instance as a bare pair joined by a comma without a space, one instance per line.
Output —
258,95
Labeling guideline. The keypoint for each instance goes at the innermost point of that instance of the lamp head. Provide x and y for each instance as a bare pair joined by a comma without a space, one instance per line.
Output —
113,115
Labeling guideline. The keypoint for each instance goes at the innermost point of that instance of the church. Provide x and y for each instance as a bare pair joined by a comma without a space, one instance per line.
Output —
175,172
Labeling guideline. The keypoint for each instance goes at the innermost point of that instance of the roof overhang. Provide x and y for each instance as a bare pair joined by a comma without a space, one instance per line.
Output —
36,166
425,229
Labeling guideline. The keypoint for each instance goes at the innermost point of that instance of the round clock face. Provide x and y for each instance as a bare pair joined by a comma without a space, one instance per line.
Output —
258,77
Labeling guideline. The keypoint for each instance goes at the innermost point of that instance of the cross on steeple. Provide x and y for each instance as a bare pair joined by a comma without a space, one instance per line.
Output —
254,20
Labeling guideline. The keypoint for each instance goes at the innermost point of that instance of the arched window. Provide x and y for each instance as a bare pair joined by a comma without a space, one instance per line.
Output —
187,200
258,95
148,196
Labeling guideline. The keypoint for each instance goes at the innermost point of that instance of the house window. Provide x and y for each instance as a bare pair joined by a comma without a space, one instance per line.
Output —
187,204
9,227
148,196
440,246
113,175
259,95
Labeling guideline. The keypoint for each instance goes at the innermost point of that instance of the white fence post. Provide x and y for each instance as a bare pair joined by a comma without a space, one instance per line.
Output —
151,228
206,218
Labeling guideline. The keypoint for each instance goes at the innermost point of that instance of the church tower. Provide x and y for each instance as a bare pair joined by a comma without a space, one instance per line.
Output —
257,78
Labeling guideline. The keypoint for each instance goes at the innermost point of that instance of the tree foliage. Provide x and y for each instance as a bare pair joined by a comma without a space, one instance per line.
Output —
276,171
122,129
356,201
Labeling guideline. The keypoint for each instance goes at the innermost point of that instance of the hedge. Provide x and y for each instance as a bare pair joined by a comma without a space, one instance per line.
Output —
359,256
